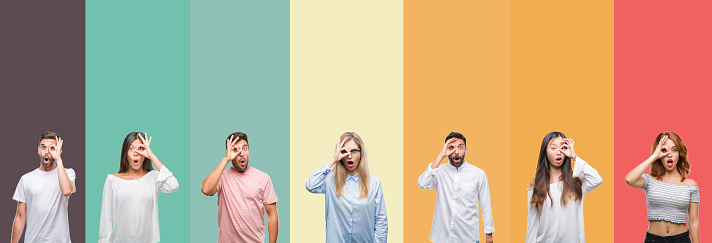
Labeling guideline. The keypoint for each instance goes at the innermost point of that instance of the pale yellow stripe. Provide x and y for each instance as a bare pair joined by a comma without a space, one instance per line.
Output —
346,75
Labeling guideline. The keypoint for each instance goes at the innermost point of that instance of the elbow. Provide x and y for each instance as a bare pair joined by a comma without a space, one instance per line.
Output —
629,181
66,192
207,192
310,188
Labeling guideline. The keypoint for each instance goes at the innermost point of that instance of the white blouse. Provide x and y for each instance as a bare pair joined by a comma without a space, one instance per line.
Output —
129,208
561,223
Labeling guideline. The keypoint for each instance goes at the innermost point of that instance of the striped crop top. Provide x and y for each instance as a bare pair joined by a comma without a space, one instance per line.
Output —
668,202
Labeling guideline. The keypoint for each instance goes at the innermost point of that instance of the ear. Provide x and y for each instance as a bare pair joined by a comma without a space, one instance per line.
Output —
39,150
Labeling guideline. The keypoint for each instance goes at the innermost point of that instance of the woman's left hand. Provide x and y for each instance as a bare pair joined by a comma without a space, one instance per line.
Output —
568,148
146,151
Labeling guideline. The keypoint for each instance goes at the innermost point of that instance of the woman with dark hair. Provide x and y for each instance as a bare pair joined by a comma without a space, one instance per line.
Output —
129,207
355,208
556,193
672,198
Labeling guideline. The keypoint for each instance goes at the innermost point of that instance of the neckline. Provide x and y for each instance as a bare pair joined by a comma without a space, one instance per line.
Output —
651,177
137,179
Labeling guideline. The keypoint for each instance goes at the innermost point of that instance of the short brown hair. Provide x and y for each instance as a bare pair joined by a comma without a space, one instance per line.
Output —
240,135
48,135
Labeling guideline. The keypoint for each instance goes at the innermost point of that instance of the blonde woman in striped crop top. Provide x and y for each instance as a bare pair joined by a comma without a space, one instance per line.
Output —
672,199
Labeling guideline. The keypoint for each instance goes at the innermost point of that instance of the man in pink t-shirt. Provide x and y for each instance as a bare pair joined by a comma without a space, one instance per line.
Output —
244,194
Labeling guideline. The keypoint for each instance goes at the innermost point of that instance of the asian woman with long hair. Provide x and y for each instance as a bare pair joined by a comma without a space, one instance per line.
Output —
129,207
562,179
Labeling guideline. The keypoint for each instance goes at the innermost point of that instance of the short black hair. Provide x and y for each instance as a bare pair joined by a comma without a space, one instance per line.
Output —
240,135
456,135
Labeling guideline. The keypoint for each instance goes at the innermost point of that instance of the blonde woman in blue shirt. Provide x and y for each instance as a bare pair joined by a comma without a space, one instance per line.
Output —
355,208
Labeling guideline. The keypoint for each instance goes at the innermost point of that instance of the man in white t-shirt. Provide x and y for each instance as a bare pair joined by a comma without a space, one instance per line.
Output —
42,196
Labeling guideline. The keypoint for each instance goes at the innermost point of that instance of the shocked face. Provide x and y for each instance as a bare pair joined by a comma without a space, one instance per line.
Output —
241,161
353,159
46,146
132,155
553,154
670,161
458,155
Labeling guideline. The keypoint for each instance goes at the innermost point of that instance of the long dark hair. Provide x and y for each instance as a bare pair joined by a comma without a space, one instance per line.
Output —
543,174
124,163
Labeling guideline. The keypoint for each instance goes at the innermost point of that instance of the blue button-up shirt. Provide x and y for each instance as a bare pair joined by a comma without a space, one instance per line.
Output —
350,218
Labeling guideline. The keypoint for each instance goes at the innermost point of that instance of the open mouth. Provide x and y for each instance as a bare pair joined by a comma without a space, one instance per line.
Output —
350,163
242,162
669,163
135,162
559,160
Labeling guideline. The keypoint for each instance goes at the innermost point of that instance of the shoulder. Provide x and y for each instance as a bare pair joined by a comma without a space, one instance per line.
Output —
474,168
374,180
689,182
29,174
531,183
258,172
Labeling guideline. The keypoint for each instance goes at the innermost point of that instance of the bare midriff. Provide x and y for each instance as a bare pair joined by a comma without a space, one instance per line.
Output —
664,228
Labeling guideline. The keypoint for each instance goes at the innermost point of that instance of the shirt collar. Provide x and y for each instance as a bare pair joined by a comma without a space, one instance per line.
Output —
355,178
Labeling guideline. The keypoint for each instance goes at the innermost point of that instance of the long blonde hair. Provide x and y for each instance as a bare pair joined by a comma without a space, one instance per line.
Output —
340,170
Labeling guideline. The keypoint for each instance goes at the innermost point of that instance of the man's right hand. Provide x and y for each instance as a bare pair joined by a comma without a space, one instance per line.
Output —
448,149
231,151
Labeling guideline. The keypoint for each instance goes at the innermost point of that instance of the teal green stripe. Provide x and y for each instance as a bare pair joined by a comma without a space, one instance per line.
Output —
137,79
239,82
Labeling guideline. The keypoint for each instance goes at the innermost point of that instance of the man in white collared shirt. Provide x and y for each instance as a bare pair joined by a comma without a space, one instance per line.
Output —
460,188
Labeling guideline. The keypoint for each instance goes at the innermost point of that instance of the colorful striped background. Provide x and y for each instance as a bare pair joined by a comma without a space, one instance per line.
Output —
295,75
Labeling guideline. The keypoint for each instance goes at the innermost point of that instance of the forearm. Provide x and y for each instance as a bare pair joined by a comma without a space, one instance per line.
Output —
65,184
211,182
273,227
695,232
156,162
437,161
635,174
17,226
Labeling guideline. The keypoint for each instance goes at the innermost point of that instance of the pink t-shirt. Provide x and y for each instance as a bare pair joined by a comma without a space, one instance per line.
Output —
241,205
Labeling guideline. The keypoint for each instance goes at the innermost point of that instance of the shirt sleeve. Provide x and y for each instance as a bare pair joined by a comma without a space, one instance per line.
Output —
486,205
647,181
589,176
105,221
166,181
72,177
317,182
427,179
269,197
381,223
19,195
533,217
695,195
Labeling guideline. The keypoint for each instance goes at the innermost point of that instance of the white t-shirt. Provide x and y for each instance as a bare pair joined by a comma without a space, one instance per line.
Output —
46,206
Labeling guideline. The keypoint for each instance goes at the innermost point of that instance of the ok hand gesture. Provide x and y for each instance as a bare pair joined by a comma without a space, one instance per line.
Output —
661,150
56,151
231,152
567,148
339,152
144,149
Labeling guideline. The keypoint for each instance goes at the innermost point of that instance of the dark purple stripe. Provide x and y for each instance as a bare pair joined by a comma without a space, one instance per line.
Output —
42,76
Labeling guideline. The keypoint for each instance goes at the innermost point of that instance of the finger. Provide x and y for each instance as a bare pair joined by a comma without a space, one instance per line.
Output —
342,143
149,140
